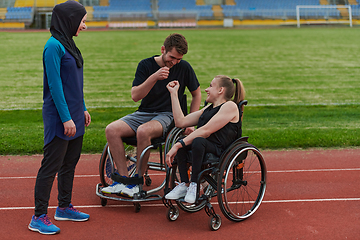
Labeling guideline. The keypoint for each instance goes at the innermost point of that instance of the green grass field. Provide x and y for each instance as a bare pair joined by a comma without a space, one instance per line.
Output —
302,84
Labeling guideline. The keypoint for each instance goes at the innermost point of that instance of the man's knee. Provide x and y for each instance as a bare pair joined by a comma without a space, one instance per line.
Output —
110,130
149,130
116,129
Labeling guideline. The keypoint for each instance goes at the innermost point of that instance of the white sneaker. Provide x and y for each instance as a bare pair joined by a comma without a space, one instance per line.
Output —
129,190
114,188
178,192
191,193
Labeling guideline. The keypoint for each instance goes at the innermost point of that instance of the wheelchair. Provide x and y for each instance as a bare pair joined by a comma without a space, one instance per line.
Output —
237,178
107,167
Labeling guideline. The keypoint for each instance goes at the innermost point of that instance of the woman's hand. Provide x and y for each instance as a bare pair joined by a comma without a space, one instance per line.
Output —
69,128
189,130
173,86
172,153
87,118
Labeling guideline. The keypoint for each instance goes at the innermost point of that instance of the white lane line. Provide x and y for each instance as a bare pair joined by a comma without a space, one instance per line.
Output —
315,170
213,203
163,174
313,200
33,177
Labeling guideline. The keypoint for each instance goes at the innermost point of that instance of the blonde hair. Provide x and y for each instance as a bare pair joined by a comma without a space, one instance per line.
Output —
230,89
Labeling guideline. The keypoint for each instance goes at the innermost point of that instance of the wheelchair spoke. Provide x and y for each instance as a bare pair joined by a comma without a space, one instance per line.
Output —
243,177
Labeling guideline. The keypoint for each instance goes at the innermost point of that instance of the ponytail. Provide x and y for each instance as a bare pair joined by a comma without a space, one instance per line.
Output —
230,90
239,91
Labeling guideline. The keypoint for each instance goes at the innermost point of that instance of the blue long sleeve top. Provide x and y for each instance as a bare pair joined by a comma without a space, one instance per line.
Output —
63,92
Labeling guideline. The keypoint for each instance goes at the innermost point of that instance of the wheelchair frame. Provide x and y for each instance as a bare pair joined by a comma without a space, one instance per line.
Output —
107,167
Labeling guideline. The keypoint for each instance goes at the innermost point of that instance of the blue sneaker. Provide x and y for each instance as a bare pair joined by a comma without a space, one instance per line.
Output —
70,214
43,225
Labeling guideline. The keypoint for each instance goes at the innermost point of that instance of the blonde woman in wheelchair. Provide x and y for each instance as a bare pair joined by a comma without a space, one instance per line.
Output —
218,125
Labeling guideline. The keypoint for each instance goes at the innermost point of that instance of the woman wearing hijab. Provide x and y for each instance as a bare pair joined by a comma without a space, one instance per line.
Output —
64,116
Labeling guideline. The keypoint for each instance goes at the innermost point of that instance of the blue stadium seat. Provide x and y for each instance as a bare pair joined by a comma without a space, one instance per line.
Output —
130,8
281,9
177,5
276,9
355,10
101,12
19,13
166,7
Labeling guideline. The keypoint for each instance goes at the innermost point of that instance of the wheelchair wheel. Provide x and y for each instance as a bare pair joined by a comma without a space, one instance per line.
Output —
107,166
173,213
103,202
205,189
215,222
171,139
137,207
242,182
148,180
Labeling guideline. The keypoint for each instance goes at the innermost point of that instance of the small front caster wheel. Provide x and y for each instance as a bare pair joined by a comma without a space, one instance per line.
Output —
103,202
215,222
173,213
148,181
137,207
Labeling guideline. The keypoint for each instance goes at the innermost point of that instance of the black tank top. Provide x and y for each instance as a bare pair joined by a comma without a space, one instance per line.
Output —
224,136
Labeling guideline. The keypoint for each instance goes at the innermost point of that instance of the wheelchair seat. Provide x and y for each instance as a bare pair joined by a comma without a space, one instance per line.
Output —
133,141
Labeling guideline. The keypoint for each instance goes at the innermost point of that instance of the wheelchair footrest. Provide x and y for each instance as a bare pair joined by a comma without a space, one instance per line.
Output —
127,180
143,198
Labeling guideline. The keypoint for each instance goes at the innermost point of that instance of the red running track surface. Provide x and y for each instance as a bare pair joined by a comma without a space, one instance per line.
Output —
311,194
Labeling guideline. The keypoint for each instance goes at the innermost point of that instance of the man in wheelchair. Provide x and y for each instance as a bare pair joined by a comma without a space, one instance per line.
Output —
154,114
218,125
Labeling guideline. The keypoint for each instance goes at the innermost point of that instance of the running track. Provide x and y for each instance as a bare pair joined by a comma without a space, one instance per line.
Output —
311,194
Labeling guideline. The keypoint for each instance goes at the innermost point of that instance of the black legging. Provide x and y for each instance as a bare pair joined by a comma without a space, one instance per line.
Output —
194,154
61,157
